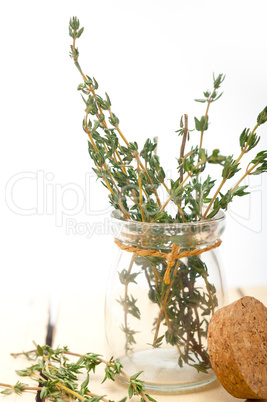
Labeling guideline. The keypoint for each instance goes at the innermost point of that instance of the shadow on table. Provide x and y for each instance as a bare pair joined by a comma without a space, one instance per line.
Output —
215,385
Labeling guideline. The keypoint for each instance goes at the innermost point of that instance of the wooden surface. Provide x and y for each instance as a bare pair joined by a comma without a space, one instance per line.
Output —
24,318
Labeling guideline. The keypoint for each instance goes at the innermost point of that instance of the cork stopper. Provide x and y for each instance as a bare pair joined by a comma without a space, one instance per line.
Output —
237,343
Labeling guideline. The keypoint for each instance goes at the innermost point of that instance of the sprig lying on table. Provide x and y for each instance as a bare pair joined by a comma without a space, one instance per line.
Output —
57,376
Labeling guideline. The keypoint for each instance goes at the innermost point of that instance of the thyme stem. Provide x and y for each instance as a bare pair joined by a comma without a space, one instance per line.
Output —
125,305
25,388
214,198
183,145
205,118
164,301
244,150
247,172
140,193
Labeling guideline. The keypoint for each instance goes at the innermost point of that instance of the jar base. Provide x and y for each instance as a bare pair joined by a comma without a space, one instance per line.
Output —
161,372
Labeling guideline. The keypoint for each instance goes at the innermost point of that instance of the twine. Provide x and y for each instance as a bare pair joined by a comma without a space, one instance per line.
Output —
170,257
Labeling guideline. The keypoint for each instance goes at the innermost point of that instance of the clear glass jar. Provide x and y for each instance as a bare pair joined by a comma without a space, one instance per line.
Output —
157,327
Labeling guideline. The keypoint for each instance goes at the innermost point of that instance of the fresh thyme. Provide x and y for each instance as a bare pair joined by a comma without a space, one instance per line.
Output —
57,376
133,175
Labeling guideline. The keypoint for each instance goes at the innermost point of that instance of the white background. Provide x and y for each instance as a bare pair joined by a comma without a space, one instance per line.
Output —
153,58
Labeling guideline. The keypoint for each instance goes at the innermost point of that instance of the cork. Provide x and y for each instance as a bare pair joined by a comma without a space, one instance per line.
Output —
237,344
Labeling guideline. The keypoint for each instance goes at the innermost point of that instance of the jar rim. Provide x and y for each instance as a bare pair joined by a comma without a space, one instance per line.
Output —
117,216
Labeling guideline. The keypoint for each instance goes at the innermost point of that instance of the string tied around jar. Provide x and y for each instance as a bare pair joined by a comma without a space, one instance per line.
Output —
170,257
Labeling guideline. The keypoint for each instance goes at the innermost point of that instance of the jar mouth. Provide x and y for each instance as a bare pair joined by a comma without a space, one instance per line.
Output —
148,235
118,217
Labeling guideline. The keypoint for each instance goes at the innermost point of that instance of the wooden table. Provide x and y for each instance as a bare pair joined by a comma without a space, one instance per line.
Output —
25,317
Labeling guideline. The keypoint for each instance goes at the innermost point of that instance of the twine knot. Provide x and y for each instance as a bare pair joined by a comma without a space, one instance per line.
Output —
171,258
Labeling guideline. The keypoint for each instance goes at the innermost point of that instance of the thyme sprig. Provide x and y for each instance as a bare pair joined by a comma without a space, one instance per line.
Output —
58,376
134,175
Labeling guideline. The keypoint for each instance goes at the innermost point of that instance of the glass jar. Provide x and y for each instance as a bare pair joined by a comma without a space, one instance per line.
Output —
159,302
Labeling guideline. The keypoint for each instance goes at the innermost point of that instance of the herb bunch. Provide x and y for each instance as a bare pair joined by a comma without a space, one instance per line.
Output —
133,175
57,376
134,178
184,307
